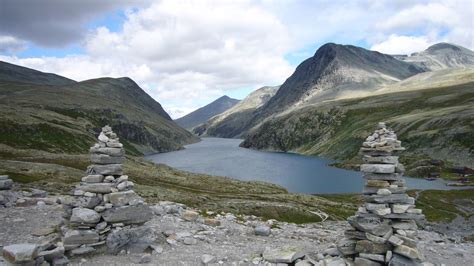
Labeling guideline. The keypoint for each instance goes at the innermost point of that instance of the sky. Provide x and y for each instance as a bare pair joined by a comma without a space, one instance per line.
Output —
187,53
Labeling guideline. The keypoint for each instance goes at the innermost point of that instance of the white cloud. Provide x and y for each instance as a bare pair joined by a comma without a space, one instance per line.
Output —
402,44
186,53
10,44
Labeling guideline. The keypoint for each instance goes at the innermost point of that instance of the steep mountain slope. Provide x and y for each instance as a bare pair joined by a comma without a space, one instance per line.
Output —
435,123
230,122
442,56
332,72
14,73
202,114
66,118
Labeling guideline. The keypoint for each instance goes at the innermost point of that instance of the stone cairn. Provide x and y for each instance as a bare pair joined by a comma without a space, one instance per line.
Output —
104,202
384,229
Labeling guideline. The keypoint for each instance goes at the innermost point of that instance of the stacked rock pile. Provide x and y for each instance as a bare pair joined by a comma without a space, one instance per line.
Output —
5,182
104,201
383,230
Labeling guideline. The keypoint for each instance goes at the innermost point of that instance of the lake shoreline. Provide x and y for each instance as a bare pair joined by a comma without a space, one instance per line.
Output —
295,172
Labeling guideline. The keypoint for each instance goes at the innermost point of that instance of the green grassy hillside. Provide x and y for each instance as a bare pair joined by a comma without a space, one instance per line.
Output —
432,123
65,119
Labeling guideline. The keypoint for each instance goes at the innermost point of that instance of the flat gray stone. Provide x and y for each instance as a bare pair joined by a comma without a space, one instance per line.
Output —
122,198
114,152
106,159
102,188
20,253
80,237
378,168
361,261
394,198
407,251
398,260
4,177
387,177
108,169
84,216
283,255
370,224
367,246
136,214
381,159
93,179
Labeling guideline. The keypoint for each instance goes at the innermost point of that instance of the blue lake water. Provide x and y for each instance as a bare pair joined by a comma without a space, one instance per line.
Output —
296,173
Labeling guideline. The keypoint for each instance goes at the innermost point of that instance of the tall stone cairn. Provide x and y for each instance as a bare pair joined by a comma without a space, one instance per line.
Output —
384,229
104,201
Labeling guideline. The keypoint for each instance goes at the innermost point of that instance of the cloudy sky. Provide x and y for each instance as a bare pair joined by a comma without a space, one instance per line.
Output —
187,53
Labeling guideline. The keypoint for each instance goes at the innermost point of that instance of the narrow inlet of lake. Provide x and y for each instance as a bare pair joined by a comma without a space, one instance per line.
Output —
296,173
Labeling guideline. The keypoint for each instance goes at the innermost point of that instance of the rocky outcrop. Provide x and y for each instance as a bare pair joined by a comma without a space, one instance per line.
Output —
386,226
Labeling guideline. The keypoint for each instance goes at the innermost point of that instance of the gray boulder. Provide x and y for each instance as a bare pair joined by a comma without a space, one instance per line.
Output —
20,253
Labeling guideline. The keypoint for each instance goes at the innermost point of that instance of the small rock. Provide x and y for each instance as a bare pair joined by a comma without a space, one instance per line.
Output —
84,216
212,222
145,259
82,251
189,241
262,230
190,216
206,259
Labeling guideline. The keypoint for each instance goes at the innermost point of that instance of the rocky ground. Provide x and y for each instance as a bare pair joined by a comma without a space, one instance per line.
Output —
182,236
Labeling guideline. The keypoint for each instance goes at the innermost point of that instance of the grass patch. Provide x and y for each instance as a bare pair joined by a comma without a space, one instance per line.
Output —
445,205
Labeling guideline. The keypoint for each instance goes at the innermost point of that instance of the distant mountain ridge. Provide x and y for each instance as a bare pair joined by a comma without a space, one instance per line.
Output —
48,112
442,56
14,73
232,118
202,114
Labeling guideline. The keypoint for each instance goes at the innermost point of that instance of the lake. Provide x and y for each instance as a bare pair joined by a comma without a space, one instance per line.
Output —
296,173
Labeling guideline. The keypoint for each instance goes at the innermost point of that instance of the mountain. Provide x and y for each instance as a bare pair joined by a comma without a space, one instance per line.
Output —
202,114
228,124
442,56
431,122
14,73
333,72
334,99
47,112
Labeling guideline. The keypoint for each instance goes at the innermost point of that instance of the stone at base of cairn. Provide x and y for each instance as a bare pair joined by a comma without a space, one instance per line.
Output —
384,228
104,200
5,182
